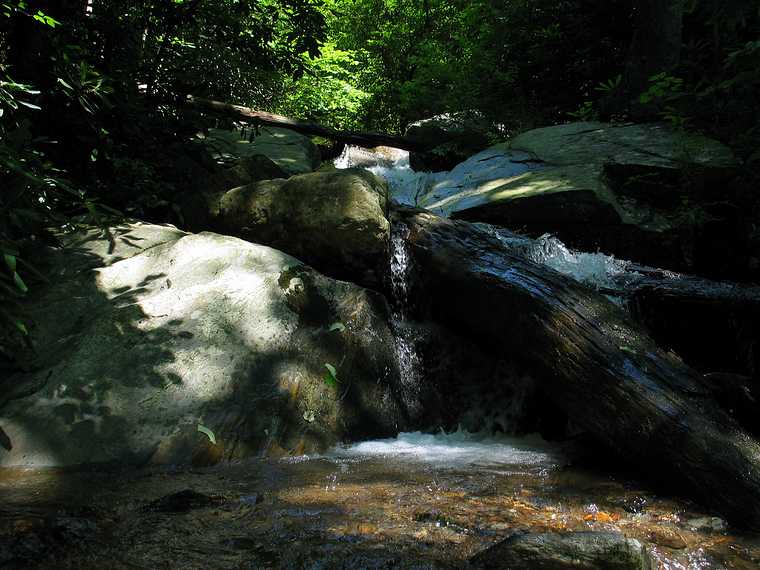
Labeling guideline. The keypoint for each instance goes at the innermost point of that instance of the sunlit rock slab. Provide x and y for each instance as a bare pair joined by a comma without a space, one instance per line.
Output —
145,335
292,152
641,192
652,144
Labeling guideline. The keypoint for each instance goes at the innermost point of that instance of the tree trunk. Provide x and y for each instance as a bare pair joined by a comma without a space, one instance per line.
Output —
713,326
359,138
591,359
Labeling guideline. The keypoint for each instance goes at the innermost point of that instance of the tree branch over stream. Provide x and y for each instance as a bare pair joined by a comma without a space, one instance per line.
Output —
358,138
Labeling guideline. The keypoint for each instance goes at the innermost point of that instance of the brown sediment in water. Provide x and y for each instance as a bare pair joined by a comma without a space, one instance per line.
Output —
337,512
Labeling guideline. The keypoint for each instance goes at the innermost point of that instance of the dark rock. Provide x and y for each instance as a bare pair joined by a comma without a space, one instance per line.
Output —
567,551
183,502
452,137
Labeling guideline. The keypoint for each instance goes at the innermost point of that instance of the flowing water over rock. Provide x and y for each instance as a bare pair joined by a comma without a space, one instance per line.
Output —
405,336
406,186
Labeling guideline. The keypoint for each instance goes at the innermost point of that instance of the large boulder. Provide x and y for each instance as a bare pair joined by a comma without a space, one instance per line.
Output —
451,137
292,152
640,191
244,171
333,220
147,332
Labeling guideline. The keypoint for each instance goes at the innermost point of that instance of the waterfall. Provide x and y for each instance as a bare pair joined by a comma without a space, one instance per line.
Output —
409,362
406,187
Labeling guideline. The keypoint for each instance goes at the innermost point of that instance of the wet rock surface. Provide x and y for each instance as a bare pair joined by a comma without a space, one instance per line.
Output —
510,303
567,551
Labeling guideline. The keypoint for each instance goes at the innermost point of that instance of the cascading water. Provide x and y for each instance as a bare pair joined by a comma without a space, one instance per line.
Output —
406,186
595,270
503,411
408,360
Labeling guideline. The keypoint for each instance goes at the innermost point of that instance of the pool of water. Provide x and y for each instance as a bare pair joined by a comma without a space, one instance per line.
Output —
416,501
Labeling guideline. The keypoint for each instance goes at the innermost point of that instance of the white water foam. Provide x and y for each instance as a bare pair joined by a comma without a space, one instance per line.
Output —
457,449
406,186
596,270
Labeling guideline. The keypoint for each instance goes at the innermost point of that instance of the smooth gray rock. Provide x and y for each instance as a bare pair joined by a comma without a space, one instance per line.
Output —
147,332
292,152
638,191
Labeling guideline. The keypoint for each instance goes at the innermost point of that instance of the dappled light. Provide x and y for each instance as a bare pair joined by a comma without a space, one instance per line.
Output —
371,284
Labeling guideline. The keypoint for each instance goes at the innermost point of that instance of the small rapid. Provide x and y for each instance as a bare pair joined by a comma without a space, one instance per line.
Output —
457,450
406,186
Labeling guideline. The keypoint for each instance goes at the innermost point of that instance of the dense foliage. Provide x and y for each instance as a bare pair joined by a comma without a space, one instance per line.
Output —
91,91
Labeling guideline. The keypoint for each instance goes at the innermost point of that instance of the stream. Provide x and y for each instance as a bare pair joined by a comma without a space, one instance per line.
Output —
417,501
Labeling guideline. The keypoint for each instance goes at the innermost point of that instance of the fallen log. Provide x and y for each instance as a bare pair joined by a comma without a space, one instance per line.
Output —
592,360
713,325
358,138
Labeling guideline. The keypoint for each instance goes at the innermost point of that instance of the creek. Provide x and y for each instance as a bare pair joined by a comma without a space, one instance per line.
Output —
419,500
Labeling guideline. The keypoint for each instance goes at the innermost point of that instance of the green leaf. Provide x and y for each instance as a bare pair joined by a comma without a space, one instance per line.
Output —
21,327
10,261
20,283
337,327
30,105
331,376
208,432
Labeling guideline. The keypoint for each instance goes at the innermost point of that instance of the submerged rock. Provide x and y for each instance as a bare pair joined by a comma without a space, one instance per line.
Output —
639,191
566,551
335,221
183,501
148,333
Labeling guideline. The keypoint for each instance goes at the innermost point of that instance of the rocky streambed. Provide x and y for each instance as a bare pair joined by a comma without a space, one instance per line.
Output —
415,501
